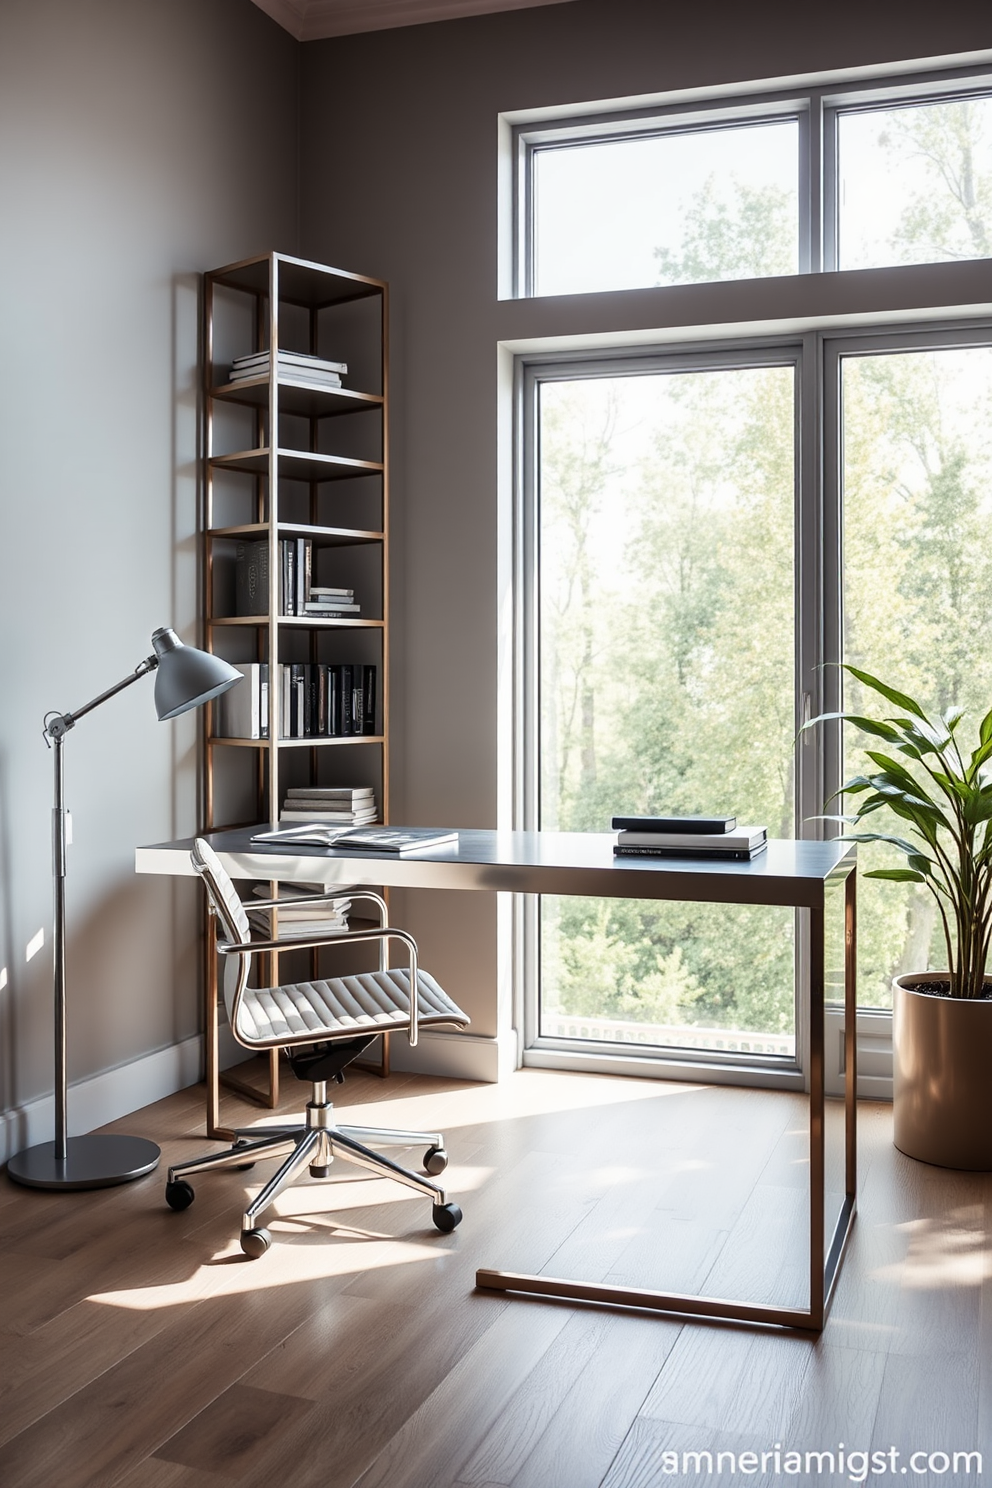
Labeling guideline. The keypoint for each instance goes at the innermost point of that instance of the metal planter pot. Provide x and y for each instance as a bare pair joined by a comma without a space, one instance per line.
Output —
942,1090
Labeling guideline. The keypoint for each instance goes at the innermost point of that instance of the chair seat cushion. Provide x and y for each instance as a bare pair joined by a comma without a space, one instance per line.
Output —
370,1002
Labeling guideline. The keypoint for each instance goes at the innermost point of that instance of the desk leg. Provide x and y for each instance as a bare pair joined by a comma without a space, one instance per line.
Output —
823,1268
817,1135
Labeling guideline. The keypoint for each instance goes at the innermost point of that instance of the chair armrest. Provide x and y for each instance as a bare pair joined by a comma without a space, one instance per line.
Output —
352,937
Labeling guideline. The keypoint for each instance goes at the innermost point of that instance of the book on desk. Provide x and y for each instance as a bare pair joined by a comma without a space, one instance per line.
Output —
391,840
689,836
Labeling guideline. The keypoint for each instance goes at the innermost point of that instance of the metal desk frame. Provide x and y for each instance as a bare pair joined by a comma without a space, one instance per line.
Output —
797,874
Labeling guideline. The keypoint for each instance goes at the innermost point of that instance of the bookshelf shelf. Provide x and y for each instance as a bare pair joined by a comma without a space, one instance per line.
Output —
303,622
318,743
302,465
297,399
323,536
295,494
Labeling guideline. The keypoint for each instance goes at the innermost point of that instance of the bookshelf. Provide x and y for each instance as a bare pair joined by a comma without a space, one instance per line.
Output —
296,473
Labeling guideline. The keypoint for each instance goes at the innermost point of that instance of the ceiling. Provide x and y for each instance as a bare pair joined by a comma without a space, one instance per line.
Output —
309,20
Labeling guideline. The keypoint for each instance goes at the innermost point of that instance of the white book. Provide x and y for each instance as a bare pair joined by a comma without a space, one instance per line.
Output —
296,375
342,818
741,839
330,792
286,358
243,711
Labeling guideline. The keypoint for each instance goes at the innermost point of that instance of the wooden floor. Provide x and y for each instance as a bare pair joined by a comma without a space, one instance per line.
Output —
140,1349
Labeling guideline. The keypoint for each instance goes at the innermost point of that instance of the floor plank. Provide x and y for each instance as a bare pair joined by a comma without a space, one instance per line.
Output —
139,1349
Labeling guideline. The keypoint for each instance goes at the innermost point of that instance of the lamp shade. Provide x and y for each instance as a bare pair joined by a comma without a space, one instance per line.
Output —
186,677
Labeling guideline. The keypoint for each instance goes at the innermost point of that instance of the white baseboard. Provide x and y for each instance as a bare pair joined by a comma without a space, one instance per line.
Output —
458,1056
104,1097
114,1093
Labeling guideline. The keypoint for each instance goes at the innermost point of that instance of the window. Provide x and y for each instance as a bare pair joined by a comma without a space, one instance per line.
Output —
915,183
673,207
666,536
778,184
706,528
916,494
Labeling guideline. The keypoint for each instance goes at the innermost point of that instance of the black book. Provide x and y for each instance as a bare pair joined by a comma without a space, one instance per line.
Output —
251,578
347,699
357,698
288,567
334,701
321,698
701,824
741,854
368,714
297,699
311,726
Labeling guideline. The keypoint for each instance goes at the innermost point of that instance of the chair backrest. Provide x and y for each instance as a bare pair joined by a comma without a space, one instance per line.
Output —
230,911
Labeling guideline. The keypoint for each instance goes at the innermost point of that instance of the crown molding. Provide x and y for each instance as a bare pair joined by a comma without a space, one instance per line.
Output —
312,20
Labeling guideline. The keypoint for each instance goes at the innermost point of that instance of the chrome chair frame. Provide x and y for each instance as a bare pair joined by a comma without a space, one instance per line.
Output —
316,1142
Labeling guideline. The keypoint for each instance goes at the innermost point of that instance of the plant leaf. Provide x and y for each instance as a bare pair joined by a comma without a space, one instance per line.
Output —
895,875
901,699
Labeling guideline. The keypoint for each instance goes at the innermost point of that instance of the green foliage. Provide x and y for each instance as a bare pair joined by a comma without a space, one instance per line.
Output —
667,679
732,232
950,215
945,799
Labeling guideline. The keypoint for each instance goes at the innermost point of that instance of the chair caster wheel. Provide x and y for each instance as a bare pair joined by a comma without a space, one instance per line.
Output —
320,1170
179,1195
446,1217
242,1167
255,1243
435,1161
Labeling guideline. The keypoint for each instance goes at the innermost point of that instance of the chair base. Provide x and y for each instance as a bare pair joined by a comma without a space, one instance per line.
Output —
314,1146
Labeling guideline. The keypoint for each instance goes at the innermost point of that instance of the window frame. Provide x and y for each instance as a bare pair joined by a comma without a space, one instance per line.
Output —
816,107
799,353
818,358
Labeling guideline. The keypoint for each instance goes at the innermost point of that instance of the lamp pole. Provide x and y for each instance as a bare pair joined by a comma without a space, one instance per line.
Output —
99,1161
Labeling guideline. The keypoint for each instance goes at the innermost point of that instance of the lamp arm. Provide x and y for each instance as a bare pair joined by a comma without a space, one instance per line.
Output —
59,724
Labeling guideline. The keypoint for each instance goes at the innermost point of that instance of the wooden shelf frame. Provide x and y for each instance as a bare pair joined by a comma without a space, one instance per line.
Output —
270,282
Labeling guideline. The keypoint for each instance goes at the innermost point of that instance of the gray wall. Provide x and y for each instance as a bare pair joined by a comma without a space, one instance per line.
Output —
141,141
399,179
144,140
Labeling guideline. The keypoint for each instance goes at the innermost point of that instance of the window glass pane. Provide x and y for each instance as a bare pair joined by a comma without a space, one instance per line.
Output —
673,208
917,492
666,625
915,184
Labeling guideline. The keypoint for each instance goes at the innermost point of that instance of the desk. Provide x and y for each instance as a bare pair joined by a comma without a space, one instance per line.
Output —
798,874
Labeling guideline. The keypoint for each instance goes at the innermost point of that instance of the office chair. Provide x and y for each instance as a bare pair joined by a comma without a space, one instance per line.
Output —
323,1025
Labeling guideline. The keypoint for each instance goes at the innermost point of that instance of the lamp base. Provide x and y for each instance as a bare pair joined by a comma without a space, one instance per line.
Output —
90,1162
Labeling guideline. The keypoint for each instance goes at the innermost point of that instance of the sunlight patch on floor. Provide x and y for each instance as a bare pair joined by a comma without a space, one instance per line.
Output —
300,1252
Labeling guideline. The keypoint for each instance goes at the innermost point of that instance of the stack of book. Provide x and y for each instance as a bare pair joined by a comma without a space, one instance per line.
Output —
686,837
321,700
298,595
291,366
317,700
341,805
299,919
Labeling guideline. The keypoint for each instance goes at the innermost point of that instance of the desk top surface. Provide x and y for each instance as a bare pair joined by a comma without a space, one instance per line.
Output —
794,873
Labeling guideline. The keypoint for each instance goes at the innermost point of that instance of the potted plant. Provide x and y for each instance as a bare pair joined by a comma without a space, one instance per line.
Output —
942,1024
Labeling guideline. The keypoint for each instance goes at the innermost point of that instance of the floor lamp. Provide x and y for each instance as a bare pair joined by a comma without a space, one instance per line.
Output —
185,678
